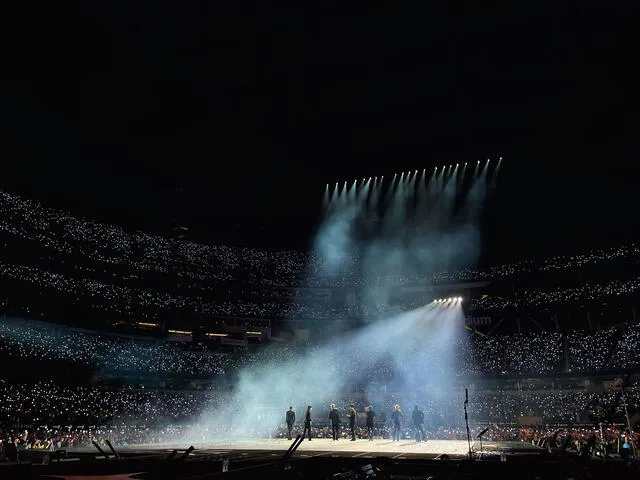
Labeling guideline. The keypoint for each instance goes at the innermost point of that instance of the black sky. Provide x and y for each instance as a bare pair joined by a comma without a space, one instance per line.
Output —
208,115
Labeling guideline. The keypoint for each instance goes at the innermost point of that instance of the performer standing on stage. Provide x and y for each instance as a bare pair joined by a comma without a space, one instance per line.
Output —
396,418
370,416
352,421
291,419
418,419
334,417
307,422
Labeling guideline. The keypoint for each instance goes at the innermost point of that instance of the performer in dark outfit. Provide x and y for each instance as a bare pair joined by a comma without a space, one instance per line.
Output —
291,419
418,420
352,421
307,422
396,418
370,416
334,417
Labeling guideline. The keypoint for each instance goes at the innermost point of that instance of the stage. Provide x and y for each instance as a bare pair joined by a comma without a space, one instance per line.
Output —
316,459
271,449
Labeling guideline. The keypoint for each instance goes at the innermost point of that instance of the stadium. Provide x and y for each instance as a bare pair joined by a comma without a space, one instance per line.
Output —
207,346
300,242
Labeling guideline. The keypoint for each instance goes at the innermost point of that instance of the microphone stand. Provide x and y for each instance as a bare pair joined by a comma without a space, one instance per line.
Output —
480,437
466,421
626,412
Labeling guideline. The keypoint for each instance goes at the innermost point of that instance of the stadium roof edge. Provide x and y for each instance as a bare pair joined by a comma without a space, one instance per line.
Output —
461,285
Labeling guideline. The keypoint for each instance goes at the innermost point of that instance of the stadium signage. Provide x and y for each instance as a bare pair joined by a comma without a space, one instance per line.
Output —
477,321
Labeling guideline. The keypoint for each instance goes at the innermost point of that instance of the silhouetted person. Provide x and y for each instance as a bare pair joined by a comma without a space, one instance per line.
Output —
626,449
307,422
10,450
418,420
588,447
291,419
396,419
334,418
370,416
352,421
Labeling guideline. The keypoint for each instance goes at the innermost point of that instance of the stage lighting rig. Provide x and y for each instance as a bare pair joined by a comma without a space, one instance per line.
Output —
448,300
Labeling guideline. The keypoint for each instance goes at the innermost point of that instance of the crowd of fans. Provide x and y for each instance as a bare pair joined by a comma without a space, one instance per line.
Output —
51,438
35,340
110,297
64,235
580,295
532,353
134,415
111,269
47,403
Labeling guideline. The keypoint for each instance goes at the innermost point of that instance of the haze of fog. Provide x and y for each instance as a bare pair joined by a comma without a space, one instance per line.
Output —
408,227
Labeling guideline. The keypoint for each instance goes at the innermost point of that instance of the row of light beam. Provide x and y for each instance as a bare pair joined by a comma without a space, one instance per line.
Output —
424,170
449,300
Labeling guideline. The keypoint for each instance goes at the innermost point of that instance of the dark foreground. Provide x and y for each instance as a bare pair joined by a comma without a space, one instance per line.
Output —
318,460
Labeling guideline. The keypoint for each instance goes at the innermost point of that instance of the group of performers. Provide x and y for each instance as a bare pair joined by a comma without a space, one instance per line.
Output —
334,418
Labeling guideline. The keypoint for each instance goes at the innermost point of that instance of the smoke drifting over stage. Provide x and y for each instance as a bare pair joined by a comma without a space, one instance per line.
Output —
412,224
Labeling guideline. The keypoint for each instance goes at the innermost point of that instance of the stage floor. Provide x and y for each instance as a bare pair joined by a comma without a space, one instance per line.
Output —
321,447
177,461
359,448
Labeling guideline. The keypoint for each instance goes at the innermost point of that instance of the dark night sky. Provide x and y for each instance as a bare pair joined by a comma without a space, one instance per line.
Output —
108,109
